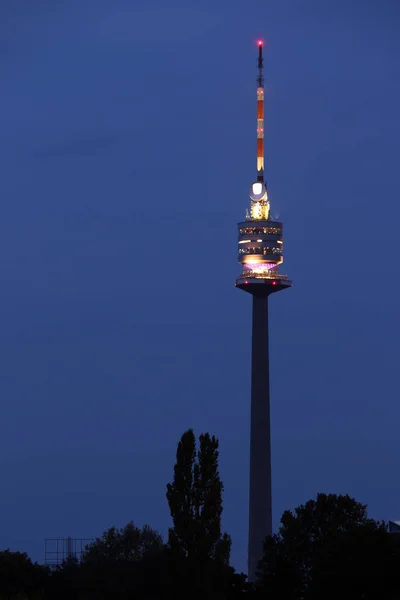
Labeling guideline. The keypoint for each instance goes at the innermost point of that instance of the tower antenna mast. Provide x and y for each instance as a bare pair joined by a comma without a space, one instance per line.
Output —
260,114
260,78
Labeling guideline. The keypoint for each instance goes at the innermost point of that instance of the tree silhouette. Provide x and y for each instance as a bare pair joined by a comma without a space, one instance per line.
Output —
134,562
121,545
196,541
124,563
329,548
20,577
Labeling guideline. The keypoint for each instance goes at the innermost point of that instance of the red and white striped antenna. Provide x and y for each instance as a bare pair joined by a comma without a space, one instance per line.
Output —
260,114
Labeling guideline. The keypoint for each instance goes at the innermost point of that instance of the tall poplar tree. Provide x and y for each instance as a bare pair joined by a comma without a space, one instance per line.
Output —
195,502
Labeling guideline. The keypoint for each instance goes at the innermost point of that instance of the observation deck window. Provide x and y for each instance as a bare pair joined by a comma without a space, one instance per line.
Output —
258,250
260,230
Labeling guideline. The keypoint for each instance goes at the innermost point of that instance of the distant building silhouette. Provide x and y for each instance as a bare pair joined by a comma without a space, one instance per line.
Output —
394,526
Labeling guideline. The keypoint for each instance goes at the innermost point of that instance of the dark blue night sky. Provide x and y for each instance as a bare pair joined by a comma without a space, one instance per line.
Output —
127,150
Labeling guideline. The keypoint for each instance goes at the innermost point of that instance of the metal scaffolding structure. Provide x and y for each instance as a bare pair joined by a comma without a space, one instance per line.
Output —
58,550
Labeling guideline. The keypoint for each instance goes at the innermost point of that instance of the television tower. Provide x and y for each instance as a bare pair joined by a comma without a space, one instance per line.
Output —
260,254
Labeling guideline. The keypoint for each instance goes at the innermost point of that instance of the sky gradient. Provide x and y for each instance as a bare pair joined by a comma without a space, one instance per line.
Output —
127,149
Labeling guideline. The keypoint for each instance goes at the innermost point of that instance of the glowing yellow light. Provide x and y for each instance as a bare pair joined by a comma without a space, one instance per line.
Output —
244,241
259,240
256,210
251,261
266,210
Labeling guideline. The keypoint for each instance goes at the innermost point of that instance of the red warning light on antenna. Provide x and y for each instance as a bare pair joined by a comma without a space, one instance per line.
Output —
260,42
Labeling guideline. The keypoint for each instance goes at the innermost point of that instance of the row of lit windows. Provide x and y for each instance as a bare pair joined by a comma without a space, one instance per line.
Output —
256,230
258,250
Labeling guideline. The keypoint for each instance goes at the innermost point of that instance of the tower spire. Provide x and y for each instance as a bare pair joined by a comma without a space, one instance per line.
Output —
260,78
260,115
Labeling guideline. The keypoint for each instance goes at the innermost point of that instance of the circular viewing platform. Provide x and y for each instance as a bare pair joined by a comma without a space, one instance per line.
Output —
263,284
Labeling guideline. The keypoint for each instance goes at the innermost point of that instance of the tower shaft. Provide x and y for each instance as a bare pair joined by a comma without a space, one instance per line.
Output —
260,501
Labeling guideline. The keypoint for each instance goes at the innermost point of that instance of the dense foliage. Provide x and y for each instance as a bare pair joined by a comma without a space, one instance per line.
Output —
330,549
327,548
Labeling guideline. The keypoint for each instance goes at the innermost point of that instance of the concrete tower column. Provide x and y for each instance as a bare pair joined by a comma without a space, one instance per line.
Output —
260,497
